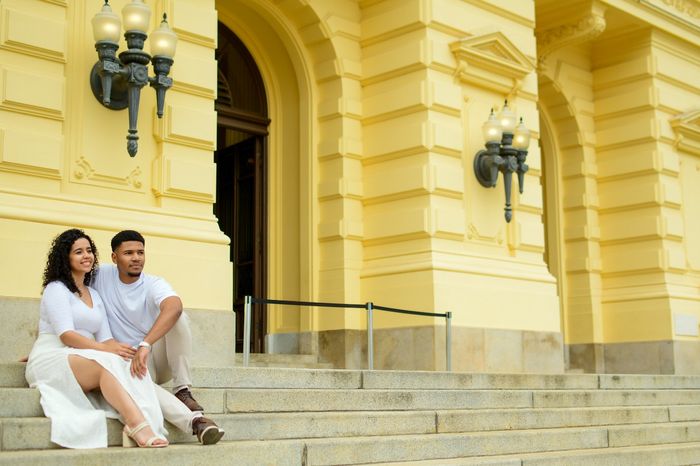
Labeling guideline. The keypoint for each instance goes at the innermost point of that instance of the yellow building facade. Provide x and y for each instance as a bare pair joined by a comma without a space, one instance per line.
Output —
323,150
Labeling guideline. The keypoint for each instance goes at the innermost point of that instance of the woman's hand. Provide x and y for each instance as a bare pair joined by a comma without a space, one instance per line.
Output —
124,350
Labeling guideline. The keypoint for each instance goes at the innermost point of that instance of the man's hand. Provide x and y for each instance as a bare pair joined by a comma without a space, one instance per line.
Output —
120,349
138,364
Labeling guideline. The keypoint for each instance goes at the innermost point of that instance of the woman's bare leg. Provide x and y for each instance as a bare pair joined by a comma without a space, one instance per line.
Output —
91,375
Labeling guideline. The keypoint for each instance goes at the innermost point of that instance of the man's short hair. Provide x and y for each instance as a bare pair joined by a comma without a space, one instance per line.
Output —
126,235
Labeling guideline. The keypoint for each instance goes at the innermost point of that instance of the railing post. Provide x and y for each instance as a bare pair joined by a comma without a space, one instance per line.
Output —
370,337
247,304
448,341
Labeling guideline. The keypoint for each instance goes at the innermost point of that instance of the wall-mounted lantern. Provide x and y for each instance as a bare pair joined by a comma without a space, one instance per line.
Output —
116,82
506,151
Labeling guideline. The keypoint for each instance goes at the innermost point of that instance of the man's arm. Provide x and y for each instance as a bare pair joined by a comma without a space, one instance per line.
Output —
170,311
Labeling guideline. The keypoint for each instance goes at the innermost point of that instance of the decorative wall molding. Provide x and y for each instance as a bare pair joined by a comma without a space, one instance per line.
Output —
190,23
83,172
17,34
183,179
186,126
491,61
474,234
30,153
689,7
583,29
687,128
31,94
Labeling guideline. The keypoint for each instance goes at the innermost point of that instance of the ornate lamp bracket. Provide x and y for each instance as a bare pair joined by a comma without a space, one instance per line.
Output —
117,82
506,152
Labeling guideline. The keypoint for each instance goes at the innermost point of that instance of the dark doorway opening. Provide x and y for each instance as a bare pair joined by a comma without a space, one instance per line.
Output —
241,181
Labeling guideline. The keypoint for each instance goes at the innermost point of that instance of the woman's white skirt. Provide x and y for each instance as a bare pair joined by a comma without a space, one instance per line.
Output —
79,420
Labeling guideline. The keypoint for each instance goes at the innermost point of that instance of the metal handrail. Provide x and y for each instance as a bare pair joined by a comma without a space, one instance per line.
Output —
369,307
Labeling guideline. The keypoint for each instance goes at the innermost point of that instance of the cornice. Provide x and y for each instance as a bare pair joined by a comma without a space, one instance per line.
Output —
583,29
675,16
688,7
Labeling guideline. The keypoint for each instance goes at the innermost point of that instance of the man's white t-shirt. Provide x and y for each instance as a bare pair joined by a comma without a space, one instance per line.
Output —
131,308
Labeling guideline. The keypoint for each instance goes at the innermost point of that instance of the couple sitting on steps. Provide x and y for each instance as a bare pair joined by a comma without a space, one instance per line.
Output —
108,336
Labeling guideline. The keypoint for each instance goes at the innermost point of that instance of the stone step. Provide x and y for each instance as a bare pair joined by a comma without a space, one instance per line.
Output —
574,398
423,380
287,365
359,450
242,400
241,377
524,418
12,375
267,377
34,432
307,361
284,400
19,402
24,402
254,453
297,452
355,450
648,434
653,455
412,447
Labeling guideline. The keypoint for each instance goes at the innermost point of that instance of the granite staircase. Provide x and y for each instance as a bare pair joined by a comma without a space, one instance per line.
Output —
285,416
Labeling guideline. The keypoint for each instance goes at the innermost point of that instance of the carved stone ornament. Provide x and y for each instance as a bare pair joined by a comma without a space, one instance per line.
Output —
492,61
687,129
83,172
689,7
582,30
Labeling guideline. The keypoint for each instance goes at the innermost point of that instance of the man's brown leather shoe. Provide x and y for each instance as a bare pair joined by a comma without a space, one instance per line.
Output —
185,395
206,430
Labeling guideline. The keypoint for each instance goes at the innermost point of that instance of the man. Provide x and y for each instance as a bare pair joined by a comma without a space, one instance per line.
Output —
145,312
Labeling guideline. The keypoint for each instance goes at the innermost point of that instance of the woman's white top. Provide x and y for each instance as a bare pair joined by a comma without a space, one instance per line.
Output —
61,311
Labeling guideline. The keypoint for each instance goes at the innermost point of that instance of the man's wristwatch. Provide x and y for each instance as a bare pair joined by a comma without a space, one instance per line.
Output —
145,344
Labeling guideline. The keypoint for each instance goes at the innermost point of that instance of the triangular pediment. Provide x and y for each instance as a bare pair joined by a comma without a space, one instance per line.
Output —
493,52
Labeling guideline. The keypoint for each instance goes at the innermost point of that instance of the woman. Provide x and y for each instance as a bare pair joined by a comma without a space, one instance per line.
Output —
77,365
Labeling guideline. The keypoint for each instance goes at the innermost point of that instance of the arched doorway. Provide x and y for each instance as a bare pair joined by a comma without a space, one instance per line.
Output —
241,177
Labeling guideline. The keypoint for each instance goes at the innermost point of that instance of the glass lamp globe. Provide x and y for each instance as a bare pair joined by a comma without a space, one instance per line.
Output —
492,129
136,16
163,40
106,25
507,118
521,138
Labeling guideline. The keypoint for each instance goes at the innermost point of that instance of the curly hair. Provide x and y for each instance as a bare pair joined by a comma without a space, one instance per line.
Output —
58,263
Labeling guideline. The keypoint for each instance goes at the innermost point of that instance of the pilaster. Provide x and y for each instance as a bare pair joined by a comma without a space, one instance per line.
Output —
565,32
434,238
645,117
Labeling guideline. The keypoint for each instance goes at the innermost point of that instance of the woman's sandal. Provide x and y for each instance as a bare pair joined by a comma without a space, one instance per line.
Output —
128,439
